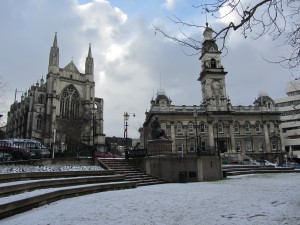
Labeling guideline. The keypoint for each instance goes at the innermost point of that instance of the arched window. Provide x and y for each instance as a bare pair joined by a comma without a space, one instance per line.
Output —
191,128
272,127
179,128
202,128
69,102
247,127
179,147
39,122
213,63
41,99
238,146
220,127
258,127
191,147
236,127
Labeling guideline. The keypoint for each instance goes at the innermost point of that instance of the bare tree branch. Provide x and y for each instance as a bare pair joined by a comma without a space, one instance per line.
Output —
275,18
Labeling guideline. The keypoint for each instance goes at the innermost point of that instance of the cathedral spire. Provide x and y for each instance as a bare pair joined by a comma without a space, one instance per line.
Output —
90,51
54,56
55,40
89,63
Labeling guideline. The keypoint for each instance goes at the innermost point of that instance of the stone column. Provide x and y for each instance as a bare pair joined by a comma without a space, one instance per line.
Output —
173,137
267,139
211,142
232,137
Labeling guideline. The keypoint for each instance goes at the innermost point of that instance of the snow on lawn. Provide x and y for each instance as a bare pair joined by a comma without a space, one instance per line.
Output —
249,199
51,168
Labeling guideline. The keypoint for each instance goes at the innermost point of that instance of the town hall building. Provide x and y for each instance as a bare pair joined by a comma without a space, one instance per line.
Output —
63,107
216,126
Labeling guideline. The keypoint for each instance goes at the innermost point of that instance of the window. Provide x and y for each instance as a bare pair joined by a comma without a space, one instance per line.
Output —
213,63
272,127
258,127
191,147
191,128
220,127
202,145
179,128
180,147
236,127
274,144
260,146
39,122
41,99
247,127
238,146
249,146
202,128
69,103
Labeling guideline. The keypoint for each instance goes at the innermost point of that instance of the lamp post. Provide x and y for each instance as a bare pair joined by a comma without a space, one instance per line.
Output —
195,114
126,118
2,148
54,137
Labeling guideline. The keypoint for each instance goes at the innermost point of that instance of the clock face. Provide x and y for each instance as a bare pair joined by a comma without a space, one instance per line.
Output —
216,85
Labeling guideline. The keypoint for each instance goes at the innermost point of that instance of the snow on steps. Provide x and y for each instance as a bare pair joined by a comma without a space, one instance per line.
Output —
131,172
76,186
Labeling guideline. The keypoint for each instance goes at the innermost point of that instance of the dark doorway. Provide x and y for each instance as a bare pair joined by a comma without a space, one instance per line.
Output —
222,146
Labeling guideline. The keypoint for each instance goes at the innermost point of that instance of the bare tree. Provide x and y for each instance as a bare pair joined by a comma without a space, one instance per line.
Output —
279,19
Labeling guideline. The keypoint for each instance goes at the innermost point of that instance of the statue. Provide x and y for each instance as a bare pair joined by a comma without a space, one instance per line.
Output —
157,132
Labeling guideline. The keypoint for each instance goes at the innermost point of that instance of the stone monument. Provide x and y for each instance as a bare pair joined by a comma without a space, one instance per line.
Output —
160,144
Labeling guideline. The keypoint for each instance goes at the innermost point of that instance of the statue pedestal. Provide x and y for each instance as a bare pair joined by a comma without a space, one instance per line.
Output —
160,147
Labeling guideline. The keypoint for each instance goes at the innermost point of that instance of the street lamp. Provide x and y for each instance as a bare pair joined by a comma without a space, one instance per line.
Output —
126,118
54,137
195,114
94,110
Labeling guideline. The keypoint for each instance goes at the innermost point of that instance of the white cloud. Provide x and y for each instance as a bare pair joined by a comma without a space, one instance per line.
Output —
170,4
129,58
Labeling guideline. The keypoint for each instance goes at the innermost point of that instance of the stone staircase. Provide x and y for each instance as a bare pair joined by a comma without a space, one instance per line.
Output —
20,192
234,170
130,171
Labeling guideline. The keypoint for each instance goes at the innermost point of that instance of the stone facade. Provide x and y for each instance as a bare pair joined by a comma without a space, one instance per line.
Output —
215,126
49,107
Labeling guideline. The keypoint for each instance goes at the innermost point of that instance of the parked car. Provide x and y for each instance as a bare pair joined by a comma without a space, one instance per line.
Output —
4,157
254,162
17,152
105,155
266,162
35,147
291,164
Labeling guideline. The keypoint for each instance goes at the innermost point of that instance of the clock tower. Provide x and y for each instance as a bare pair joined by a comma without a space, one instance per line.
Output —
212,75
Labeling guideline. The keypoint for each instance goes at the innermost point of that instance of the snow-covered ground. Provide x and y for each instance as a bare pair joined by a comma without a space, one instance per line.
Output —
51,168
249,199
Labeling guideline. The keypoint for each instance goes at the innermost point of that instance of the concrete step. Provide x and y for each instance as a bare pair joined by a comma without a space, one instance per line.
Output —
10,189
9,177
130,171
15,207
235,173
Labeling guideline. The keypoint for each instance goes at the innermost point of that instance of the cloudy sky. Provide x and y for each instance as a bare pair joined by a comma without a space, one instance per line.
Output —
131,61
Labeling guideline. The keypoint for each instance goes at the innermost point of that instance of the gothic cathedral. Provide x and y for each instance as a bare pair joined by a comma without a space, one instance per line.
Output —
64,108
